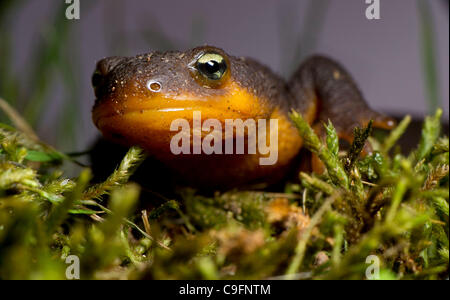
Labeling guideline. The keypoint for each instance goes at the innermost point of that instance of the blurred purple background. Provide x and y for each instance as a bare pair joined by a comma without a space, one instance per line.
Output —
383,55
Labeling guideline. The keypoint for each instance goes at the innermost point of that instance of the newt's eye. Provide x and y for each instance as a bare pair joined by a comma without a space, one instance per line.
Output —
212,66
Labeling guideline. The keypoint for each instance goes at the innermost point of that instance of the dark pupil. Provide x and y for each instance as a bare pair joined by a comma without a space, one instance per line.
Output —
212,69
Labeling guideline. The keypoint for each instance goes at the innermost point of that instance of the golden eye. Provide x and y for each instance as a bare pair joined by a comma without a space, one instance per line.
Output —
211,65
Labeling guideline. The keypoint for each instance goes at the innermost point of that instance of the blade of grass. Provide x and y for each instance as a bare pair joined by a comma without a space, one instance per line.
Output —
395,134
17,120
301,245
428,51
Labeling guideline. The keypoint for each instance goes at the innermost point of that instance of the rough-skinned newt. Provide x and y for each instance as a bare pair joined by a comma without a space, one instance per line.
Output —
137,98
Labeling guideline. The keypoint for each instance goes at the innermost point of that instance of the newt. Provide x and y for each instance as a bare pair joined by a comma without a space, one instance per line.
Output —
138,98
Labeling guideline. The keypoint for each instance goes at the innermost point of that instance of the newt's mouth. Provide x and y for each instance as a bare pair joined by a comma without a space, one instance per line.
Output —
149,122
158,117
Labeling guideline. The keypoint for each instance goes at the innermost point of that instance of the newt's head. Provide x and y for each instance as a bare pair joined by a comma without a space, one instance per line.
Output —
139,97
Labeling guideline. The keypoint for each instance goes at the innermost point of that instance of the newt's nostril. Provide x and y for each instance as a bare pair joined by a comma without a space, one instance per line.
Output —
96,79
154,86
